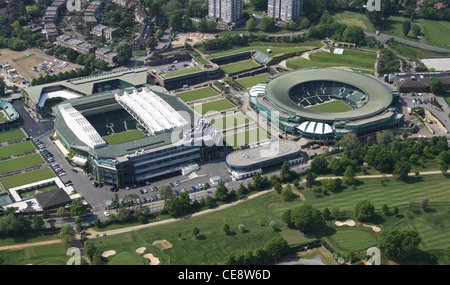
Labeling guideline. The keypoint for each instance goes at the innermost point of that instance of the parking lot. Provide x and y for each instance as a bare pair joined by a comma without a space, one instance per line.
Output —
174,66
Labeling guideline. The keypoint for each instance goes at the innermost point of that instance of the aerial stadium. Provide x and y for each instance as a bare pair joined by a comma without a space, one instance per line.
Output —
130,136
326,103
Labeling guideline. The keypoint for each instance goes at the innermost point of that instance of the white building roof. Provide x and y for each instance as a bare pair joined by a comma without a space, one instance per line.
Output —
81,127
56,94
316,128
258,90
155,114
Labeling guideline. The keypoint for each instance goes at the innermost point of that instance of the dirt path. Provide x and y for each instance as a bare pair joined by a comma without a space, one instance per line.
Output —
24,245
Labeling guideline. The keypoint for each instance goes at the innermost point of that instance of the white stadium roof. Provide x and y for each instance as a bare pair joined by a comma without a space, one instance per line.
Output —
152,112
316,128
56,94
81,127
257,90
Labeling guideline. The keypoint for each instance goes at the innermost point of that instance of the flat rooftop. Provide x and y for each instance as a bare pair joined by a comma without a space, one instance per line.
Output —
263,152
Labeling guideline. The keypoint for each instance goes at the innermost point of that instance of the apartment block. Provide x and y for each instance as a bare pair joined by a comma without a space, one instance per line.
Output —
285,10
226,10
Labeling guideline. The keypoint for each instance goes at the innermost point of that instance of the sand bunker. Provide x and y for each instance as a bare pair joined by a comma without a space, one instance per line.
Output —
140,250
153,260
164,244
374,228
348,222
108,253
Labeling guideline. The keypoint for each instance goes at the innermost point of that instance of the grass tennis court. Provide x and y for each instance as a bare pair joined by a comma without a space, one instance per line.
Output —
214,106
181,72
334,106
3,116
23,162
27,178
11,135
226,122
124,137
16,149
251,81
248,137
197,94
350,58
238,66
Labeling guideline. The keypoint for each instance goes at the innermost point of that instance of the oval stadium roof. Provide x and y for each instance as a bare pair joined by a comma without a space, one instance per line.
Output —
379,95
316,128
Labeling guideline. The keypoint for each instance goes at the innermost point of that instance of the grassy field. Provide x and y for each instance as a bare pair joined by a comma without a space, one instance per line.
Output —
350,58
238,66
182,72
16,149
124,137
251,81
214,106
248,137
334,106
355,19
436,33
3,116
11,135
197,94
226,122
415,53
213,246
23,162
26,178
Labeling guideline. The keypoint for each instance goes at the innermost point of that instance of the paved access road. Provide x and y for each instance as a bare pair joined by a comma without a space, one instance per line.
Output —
419,44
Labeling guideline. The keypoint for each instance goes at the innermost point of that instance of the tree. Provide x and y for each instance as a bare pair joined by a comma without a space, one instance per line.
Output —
304,23
260,5
267,24
326,214
354,34
402,169
287,194
3,86
77,208
277,187
406,27
63,213
384,137
124,53
310,179
385,209
67,236
364,211
399,243
424,205
195,232
226,228
415,30
386,9
349,176
436,85
165,191
285,173
276,247
306,217
221,191
250,25
90,249
319,165
176,19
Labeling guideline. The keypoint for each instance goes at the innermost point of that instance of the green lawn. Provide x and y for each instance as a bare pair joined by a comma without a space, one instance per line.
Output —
27,178
124,137
248,137
436,33
355,19
446,95
11,135
238,66
214,106
3,117
16,149
226,122
23,162
213,246
415,53
334,106
197,94
182,72
350,58
251,81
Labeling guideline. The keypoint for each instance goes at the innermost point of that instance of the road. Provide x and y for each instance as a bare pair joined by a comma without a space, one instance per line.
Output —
419,44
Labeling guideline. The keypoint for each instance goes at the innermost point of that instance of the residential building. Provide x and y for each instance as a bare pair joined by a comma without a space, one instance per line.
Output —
285,10
226,10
